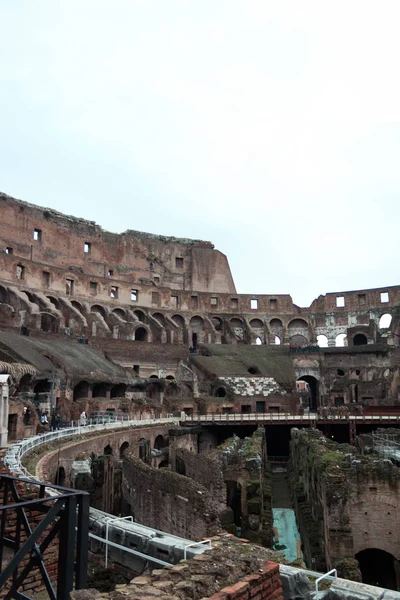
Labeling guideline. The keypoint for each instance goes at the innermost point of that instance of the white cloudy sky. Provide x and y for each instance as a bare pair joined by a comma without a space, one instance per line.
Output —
270,128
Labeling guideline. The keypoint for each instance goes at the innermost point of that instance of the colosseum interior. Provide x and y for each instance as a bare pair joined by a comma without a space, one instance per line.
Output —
137,326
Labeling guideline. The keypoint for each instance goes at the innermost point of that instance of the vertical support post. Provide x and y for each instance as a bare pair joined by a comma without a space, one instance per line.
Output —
66,549
352,432
82,543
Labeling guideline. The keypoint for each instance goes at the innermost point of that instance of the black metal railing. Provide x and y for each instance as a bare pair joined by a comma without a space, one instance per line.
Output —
33,515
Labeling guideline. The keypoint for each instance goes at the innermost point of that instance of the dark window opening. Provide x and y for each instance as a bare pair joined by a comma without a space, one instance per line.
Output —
273,304
9,250
179,262
37,235
114,292
180,466
136,368
46,278
260,406
93,288
234,501
246,409
340,372
110,272
174,302
194,301
220,392
234,303
360,340
20,272
253,370
69,287
339,401
155,298
141,334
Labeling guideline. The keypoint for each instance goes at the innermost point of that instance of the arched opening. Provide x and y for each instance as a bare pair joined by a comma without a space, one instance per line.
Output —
159,443
25,383
163,464
313,395
48,323
107,450
118,391
196,325
298,332
99,390
143,446
30,296
256,324
120,313
81,390
99,310
79,306
377,568
253,370
360,340
341,340
124,447
141,334
179,320
170,378
385,321
277,340
259,341
322,341
217,322
140,315
159,317
234,500
54,301
42,387
220,392
60,476
276,324
172,390
298,340
180,466
237,328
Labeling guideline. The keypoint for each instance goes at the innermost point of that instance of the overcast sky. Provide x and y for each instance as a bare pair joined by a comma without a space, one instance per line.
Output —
270,128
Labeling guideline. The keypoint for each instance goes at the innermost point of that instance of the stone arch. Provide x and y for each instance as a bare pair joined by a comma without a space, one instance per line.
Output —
25,383
42,387
79,306
123,448
237,328
140,315
377,567
159,443
257,324
81,390
98,309
385,321
49,323
55,302
118,391
100,390
120,312
276,324
141,334
108,451
298,332
172,390
197,323
341,340
178,320
322,341
217,323
313,396
159,317
220,392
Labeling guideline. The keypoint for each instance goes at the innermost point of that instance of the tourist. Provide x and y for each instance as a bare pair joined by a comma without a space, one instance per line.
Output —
82,420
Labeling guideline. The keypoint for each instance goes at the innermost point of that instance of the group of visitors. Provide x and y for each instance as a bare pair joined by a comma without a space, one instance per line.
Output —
311,348
329,412
55,420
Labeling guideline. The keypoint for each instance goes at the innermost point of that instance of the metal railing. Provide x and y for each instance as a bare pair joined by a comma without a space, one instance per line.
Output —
281,417
13,456
64,513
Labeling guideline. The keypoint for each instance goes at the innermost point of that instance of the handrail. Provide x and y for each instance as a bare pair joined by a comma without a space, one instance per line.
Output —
323,577
282,417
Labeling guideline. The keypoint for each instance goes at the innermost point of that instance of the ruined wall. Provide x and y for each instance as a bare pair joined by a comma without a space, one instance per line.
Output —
345,502
167,501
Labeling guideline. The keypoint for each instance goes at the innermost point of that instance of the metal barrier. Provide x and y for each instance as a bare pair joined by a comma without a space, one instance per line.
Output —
327,575
284,417
65,513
